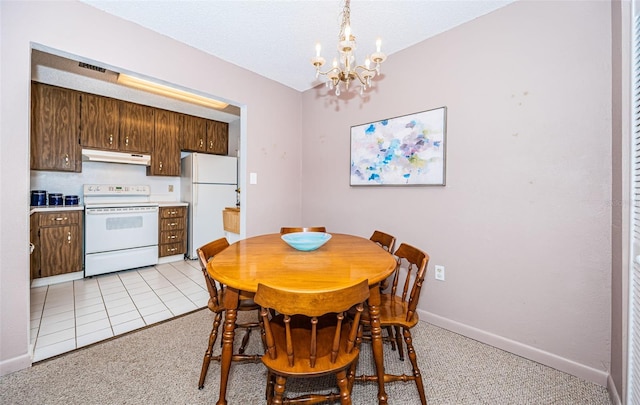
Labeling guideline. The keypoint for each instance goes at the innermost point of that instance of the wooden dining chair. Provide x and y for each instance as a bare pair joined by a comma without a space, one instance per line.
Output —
398,310
387,242
311,337
215,304
286,229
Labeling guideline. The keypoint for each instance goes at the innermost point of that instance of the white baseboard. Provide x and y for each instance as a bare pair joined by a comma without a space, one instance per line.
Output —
15,364
548,359
613,392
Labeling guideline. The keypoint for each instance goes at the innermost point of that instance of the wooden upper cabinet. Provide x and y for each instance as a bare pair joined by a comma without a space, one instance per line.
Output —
165,158
193,135
217,137
136,127
54,128
100,122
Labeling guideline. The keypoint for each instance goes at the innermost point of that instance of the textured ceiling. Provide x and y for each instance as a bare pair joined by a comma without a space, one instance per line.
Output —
276,39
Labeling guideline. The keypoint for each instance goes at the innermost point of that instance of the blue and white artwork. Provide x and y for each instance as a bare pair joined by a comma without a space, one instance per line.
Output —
406,150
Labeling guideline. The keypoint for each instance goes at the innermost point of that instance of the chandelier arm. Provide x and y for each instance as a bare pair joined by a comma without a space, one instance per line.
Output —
334,69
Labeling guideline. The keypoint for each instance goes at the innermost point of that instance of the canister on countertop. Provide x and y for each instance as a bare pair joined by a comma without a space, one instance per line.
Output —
55,199
38,198
71,200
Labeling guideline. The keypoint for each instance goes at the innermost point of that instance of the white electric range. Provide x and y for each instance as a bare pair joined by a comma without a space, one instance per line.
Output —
121,228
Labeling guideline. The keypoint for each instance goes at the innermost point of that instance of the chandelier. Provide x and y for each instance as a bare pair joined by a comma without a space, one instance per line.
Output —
345,69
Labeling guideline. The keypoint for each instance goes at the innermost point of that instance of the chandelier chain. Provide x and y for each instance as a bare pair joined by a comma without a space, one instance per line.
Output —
346,20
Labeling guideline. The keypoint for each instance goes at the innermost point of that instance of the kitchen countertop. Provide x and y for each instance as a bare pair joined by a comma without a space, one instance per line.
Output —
172,204
51,208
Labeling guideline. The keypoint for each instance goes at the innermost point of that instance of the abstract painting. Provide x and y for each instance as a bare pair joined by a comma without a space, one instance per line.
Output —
406,150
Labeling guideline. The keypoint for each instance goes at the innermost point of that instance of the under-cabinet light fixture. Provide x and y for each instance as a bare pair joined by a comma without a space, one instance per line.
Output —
171,92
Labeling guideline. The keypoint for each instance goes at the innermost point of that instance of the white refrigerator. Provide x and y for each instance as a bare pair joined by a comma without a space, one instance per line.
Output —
208,183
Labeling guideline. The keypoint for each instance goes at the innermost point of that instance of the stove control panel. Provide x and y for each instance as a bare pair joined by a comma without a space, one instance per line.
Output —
116,189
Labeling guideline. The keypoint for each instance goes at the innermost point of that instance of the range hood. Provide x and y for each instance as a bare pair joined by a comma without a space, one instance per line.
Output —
92,155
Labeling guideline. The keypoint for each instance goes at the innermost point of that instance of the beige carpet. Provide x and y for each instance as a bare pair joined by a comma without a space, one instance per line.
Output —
161,365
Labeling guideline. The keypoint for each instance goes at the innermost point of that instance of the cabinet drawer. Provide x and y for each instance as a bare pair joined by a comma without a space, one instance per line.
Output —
171,249
172,212
59,218
172,236
171,224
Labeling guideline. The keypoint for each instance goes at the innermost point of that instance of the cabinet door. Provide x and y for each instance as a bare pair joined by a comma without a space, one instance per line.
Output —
165,159
99,122
54,128
60,250
217,137
193,135
136,128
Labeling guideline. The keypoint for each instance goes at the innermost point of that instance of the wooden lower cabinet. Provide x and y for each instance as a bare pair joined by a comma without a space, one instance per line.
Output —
57,240
173,231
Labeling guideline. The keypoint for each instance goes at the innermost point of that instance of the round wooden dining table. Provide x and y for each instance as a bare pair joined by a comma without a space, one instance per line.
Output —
344,260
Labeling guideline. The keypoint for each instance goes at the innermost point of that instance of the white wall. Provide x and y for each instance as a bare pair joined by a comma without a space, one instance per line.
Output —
523,224
270,129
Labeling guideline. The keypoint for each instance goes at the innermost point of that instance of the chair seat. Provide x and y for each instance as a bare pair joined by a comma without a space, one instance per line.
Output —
393,311
301,334
245,302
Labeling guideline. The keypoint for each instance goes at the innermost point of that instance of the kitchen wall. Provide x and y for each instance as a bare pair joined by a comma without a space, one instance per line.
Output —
523,226
269,127
105,173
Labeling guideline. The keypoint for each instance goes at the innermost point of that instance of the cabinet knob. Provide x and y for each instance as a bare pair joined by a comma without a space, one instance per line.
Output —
160,166
66,159
126,140
201,142
111,139
59,219
69,237
210,144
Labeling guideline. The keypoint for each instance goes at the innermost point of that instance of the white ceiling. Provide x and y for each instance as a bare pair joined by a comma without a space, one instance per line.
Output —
277,38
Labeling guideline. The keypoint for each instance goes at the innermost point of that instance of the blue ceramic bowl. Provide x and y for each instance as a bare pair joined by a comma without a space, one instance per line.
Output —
306,241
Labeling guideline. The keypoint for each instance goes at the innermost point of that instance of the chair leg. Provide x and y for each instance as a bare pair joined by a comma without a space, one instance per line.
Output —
278,389
343,385
392,339
414,363
270,386
207,355
399,342
245,341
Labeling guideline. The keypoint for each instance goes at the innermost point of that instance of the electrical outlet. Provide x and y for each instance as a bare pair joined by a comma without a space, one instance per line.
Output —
439,272
171,188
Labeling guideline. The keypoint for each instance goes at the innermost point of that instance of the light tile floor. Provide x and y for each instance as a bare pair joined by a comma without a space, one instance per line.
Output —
73,314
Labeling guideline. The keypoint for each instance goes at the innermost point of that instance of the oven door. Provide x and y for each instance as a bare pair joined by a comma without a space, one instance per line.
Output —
117,228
